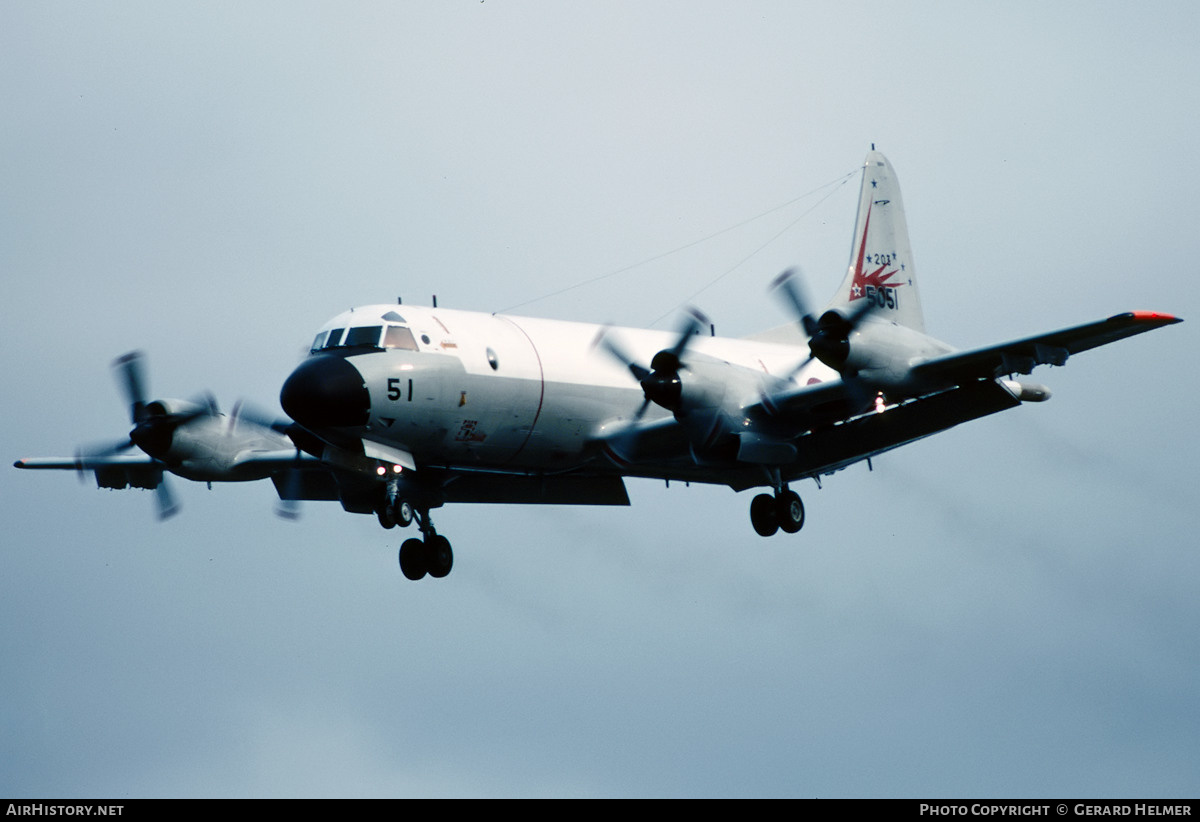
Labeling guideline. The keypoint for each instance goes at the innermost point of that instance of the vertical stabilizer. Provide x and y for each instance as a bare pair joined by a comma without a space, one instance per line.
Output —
881,262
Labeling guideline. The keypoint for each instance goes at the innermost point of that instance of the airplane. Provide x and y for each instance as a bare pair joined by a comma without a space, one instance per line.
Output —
398,410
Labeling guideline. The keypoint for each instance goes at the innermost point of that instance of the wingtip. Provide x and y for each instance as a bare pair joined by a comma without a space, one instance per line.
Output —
1149,316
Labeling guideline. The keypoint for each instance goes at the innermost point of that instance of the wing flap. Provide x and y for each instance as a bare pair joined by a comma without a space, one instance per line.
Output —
834,448
809,405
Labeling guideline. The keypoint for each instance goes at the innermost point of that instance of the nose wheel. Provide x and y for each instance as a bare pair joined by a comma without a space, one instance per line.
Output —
429,555
782,512
394,510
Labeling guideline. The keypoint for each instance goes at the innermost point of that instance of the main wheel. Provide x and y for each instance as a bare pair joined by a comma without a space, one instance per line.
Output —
439,556
413,559
763,515
790,512
385,516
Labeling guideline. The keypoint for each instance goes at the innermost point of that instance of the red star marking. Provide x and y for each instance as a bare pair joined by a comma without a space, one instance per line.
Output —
877,278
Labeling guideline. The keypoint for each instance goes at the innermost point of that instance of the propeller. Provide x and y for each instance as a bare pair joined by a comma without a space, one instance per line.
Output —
789,290
130,375
151,432
154,424
288,505
828,339
605,340
243,410
164,499
131,378
660,382
829,334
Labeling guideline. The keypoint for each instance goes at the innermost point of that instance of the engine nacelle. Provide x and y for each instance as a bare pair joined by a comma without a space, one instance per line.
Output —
884,352
173,407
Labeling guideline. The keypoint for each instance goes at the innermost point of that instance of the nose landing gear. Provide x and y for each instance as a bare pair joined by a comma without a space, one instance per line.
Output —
394,509
430,553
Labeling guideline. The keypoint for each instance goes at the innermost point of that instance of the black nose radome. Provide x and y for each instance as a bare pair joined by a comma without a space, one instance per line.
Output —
326,392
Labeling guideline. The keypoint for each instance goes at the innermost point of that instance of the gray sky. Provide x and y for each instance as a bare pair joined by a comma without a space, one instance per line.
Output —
1006,609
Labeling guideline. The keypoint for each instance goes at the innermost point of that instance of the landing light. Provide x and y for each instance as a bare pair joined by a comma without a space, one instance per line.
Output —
396,469
381,470
880,402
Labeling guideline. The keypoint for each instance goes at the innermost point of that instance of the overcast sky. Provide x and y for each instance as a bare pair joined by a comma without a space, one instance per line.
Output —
1006,609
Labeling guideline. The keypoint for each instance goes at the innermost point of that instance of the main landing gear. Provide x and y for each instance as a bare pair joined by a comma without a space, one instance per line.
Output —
430,554
782,512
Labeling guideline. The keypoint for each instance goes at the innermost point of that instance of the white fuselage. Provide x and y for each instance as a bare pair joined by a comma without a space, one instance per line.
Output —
519,393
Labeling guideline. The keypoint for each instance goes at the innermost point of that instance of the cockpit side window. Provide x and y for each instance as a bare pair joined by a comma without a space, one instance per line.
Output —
334,339
397,336
363,336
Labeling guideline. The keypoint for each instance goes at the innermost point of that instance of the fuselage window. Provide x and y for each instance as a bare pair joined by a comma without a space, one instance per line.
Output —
367,335
397,336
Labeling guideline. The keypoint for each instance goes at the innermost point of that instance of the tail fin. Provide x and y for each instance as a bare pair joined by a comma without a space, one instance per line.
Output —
881,262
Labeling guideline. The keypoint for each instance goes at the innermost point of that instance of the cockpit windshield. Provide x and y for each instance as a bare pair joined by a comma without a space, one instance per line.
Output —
397,336
366,336
327,339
